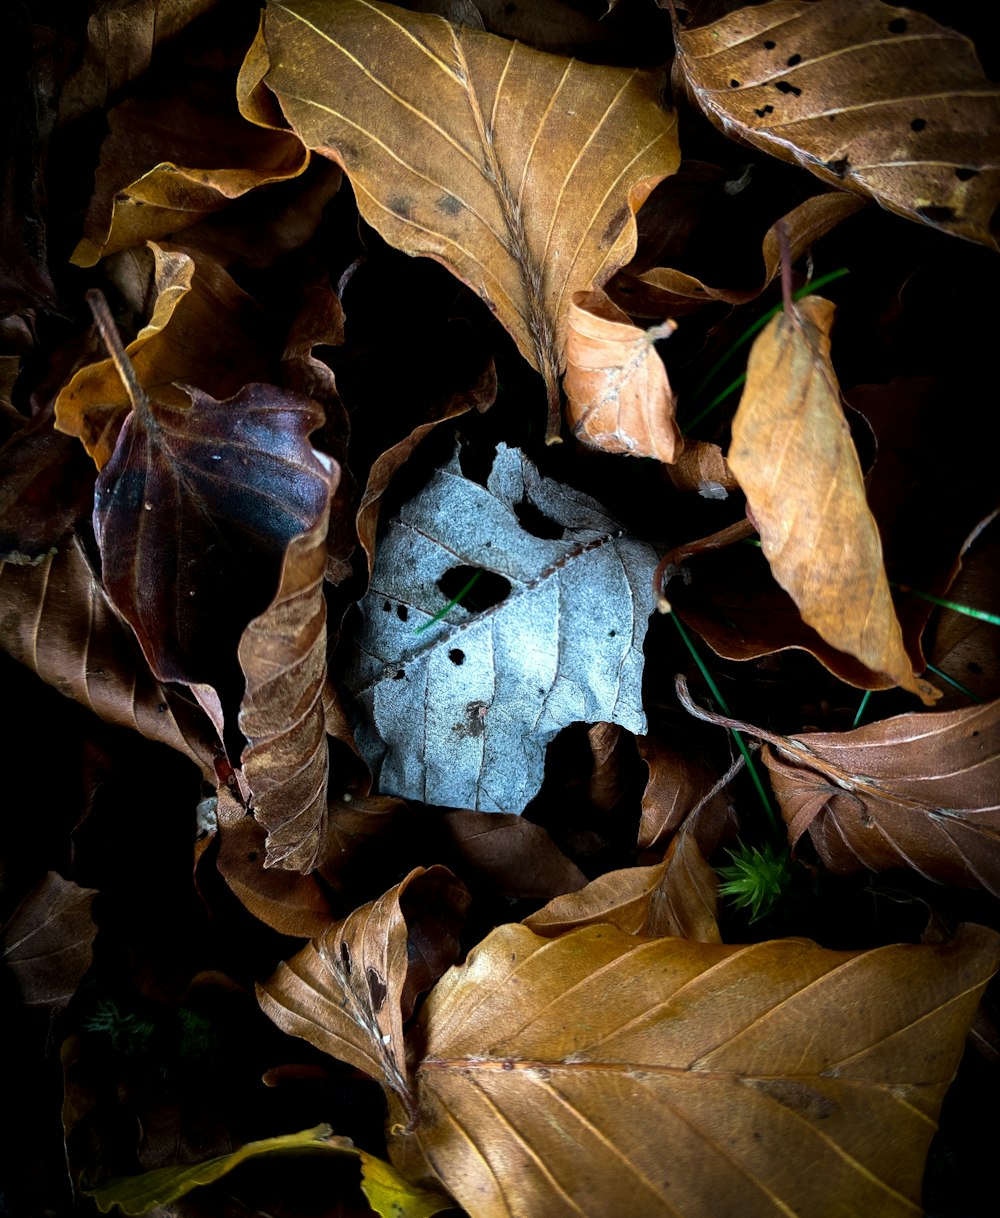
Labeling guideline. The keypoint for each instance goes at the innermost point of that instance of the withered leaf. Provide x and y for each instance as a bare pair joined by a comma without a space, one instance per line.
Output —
558,641
282,715
520,171
681,785
196,505
792,454
349,991
615,1074
47,940
620,400
916,791
871,98
203,330
512,855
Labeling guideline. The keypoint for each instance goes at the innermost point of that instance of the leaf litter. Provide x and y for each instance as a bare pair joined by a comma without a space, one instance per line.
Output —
435,846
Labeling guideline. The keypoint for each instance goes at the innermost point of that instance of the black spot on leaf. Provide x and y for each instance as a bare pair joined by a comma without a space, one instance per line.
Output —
615,225
401,205
449,205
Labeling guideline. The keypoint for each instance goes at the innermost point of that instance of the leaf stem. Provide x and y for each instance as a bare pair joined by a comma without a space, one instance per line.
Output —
116,350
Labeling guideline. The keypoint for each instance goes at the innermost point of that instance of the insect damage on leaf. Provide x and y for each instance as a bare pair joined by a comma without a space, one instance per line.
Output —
460,713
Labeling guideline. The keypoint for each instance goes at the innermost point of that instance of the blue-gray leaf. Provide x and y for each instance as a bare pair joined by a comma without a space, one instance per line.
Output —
460,713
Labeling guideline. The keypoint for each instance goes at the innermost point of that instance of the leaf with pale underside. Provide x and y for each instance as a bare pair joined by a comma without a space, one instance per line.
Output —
870,98
619,397
349,991
917,791
793,455
519,170
609,1074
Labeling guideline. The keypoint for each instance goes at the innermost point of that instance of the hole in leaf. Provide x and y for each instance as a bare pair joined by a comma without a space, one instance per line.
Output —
792,60
402,612
376,987
972,666
456,655
764,112
839,167
734,84
252,856
918,124
612,633
488,590
387,606
936,215
345,956
784,86
400,675
534,521
770,45
897,25
964,175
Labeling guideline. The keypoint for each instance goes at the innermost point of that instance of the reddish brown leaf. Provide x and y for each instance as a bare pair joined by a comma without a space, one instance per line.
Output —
679,786
917,791
48,941
620,400
701,467
350,991
870,98
792,454
520,171
511,855
611,1074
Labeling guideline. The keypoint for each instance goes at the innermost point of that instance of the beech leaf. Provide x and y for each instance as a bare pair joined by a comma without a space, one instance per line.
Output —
792,454
520,171
559,641
880,100
917,791
612,1074
48,940
620,400
349,991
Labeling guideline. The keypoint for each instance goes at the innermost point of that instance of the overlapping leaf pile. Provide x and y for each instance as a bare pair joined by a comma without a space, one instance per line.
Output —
340,456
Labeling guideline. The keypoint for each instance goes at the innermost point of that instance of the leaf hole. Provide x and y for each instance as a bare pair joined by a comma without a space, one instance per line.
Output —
964,175
764,111
400,675
376,988
488,590
897,25
734,84
402,612
839,168
792,60
936,215
387,606
252,856
769,45
534,521
612,633
918,124
456,655
784,86
345,957
972,666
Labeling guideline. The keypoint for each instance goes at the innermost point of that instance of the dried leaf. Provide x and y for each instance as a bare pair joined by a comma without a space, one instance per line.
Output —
610,1074
520,171
282,715
490,689
681,786
48,941
511,855
620,400
917,791
349,992
701,467
879,100
792,454
676,897
203,331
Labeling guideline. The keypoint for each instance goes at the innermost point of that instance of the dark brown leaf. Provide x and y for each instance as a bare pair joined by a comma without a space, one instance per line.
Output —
511,855
48,941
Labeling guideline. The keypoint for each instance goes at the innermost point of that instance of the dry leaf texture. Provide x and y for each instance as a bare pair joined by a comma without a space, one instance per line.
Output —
460,713
919,791
48,940
520,171
868,97
620,400
793,455
606,1074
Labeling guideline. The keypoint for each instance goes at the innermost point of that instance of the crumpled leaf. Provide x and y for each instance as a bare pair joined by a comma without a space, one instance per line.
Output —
203,331
350,991
611,1074
387,1193
48,941
520,171
282,715
490,689
620,400
701,467
868,97
675,897
917,791
792,454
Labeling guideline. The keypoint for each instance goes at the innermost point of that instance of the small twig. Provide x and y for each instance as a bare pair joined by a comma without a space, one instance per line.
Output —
116,350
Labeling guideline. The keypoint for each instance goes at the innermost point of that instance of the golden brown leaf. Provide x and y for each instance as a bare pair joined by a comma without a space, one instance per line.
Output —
871,98
349,991
701,467
620,399
520,171
203,331
792,454
609,1074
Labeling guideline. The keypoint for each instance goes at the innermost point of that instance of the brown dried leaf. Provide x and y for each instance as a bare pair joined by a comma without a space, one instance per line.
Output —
610,1074
48,941
620,400
701,467
288,902
792,454
282,715
349,991
675,897
512,855
520,171
917,791
680,785
879,100
203,331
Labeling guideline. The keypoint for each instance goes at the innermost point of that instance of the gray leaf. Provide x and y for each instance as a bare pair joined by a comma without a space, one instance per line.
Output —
460,713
